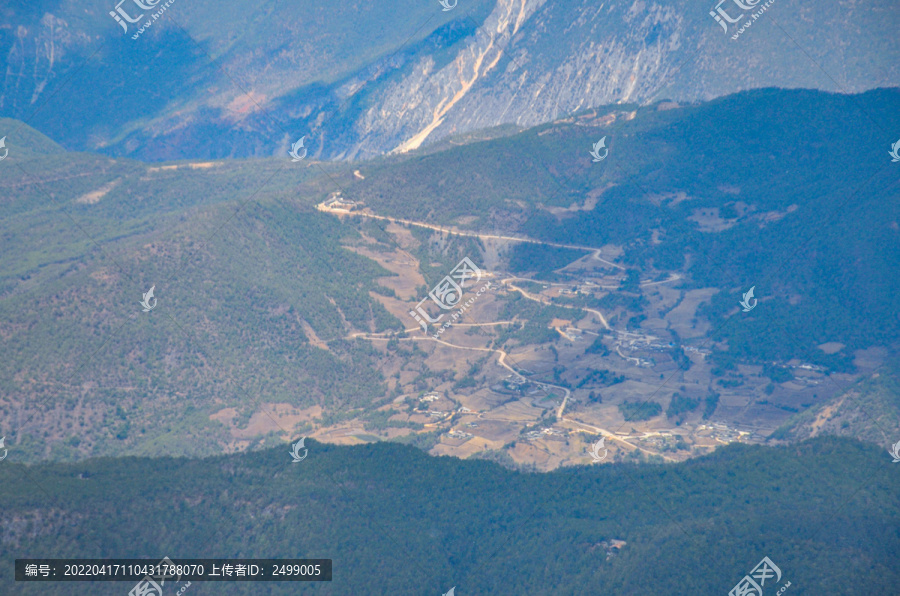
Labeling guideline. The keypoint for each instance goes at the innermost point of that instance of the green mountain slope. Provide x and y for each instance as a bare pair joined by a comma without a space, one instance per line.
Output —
395,521
27,142
258,297
255,298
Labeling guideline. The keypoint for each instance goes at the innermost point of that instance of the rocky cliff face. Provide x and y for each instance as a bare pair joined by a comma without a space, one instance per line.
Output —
512,71
239,86
534,60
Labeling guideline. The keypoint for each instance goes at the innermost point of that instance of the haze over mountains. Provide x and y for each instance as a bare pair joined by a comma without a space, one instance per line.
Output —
213,80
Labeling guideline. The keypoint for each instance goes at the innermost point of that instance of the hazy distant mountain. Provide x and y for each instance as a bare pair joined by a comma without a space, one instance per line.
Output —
359,79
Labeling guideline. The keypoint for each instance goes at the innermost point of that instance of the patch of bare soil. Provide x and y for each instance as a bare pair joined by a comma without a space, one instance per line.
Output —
94,196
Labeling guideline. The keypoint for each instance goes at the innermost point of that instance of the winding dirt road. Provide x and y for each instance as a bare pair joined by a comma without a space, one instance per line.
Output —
550,303
605,433
593,249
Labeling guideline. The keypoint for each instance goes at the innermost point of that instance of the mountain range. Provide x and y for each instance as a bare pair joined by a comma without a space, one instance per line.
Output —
359,80
558,296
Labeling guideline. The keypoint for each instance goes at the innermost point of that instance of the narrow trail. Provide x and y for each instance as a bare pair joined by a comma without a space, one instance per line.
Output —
637,361
388,334
595,251
382,336
672,277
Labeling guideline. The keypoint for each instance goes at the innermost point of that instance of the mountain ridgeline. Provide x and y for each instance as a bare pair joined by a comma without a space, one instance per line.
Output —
361,79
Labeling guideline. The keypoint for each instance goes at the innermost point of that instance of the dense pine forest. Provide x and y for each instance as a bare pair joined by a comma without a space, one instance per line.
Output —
396,521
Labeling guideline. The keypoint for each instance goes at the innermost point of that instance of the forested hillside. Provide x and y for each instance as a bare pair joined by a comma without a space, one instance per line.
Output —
256,297
869,410
396,521
455,297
